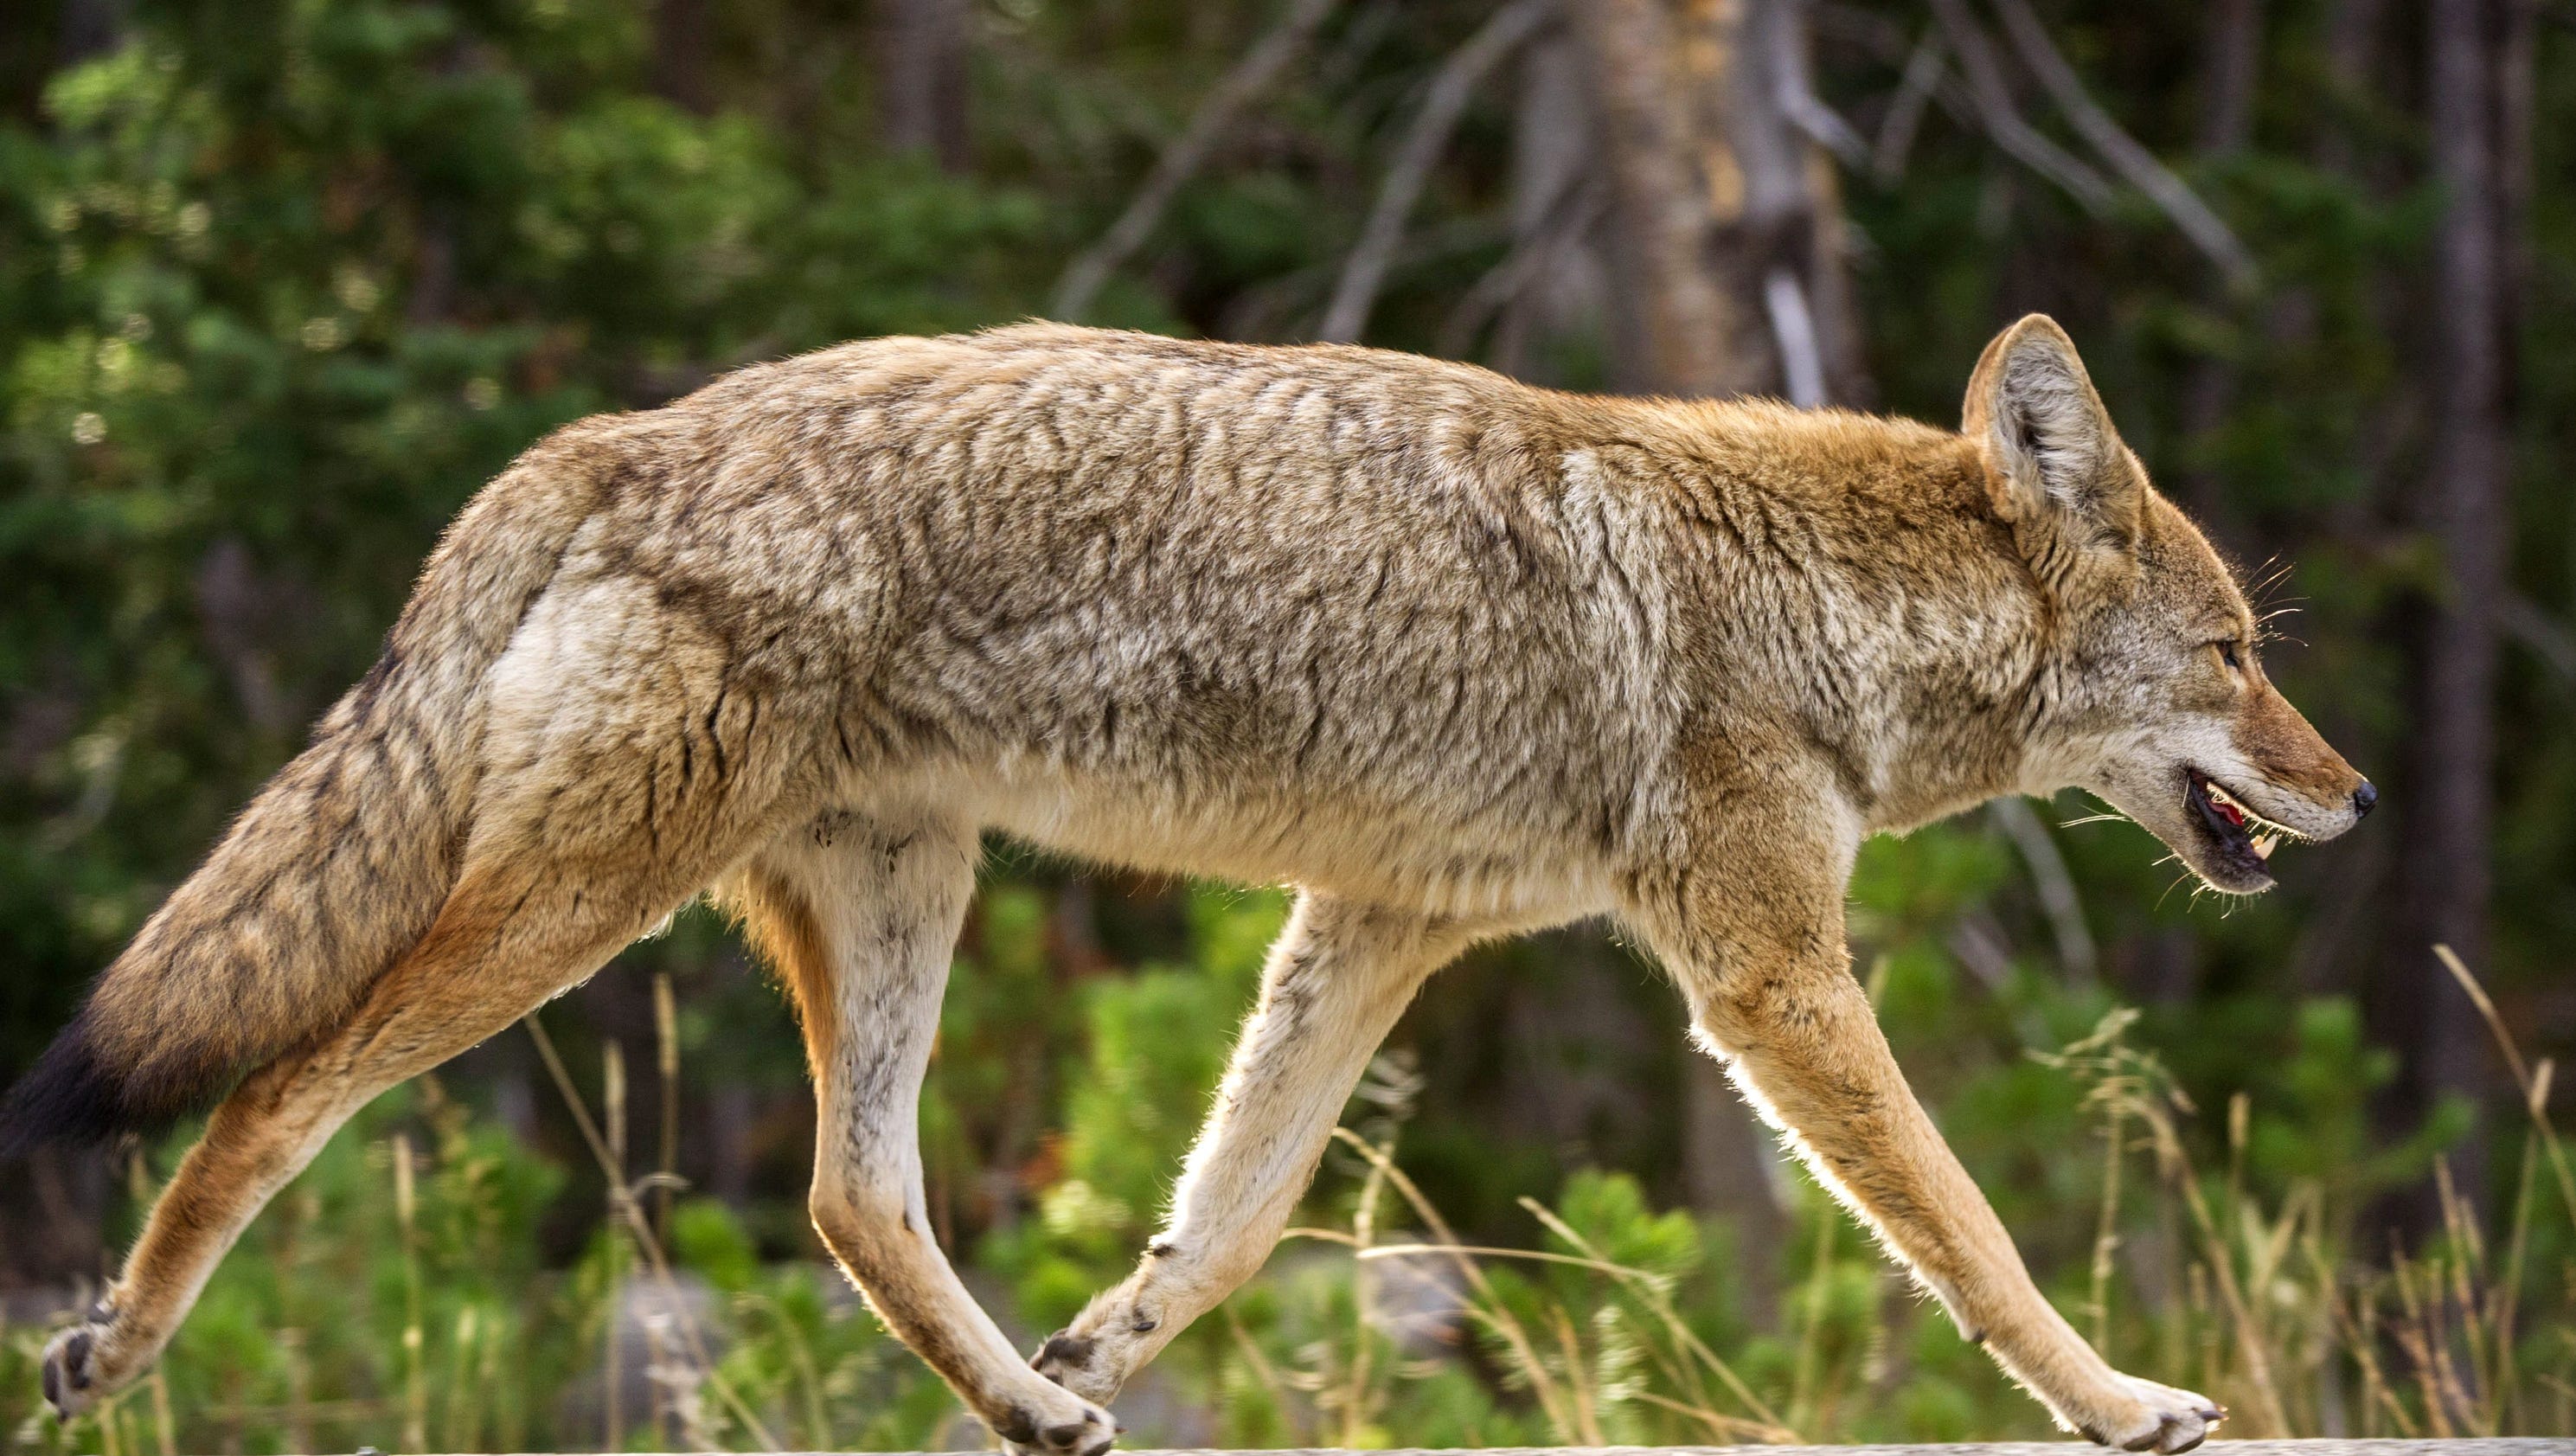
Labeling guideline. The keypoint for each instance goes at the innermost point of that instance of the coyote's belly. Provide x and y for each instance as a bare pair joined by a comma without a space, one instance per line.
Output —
1418,852
1428,787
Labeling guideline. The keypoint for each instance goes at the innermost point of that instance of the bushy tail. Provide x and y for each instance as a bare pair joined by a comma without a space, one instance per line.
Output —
341,861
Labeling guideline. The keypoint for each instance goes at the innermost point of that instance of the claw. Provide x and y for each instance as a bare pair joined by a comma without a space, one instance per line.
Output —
66,1370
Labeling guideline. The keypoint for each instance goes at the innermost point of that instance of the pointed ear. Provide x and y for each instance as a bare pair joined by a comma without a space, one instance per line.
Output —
2049,446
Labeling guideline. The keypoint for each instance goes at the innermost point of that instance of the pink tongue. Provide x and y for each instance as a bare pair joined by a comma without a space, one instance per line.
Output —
2234,815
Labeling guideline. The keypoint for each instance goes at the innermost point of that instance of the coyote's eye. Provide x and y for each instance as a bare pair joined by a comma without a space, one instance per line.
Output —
2227,654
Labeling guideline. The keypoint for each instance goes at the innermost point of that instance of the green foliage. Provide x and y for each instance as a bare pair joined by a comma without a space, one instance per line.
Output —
270,309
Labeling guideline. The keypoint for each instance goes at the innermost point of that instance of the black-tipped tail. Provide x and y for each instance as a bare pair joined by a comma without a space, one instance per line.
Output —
341,862
73,1097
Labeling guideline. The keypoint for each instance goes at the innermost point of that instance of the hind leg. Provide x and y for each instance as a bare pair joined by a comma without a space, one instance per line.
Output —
860,913
580,842
504,943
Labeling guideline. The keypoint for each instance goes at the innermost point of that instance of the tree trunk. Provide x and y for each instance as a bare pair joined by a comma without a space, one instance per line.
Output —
1731,1167
1727,222
1672,190
51,1209
2231,62
2229,66
683,34
2444,870
89,29
1559,286
921,78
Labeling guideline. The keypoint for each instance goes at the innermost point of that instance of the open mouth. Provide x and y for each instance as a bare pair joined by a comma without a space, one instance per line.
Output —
2241,841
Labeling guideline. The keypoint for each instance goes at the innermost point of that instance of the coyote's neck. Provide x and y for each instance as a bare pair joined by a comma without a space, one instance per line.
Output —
1860,563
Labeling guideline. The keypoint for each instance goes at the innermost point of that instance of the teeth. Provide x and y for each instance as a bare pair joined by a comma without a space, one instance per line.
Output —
2263,844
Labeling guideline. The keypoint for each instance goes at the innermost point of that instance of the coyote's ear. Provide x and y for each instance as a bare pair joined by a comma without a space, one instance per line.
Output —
2048,443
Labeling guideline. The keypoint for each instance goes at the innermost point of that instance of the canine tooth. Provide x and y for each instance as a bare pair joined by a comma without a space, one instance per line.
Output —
2263,844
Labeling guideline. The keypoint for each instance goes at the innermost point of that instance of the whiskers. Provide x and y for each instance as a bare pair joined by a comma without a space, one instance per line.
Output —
2269,608
2199,887
2265,633
2186,877
2107,816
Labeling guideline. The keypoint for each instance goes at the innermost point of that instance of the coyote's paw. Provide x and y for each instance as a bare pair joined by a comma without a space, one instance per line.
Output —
2145,1416
1083,1364
78,1370
1082,1429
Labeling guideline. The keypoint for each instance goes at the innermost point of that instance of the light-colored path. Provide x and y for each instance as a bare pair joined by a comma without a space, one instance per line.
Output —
2510,1446
2464,1446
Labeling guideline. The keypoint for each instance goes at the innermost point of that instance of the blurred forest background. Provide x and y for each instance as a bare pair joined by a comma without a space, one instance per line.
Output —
283,281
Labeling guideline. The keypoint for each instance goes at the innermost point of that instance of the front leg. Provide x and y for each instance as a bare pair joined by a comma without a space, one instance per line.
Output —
1752,929
1337,979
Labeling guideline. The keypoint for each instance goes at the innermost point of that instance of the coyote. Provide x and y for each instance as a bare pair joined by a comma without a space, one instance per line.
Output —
1455,657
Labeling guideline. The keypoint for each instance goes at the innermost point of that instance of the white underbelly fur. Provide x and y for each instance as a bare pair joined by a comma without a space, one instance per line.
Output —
1358,851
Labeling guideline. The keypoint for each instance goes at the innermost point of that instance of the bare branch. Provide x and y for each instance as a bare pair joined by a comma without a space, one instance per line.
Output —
1905,114
2132,161
1793,328
2548,638
1365,270
1570,214
2003,122
1796,95
2048,874
1918,59
1181,160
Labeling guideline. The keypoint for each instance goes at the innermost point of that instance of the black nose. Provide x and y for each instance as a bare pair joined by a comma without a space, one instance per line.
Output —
2364,799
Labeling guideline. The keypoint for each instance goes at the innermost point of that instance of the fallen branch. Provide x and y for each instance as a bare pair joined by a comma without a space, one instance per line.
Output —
1181,160
2002,122
2204,227
1365,270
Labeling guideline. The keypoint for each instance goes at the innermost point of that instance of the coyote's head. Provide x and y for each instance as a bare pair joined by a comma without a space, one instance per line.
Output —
2153,696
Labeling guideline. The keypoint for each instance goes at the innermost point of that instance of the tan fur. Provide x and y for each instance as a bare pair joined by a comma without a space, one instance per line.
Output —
1455,657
